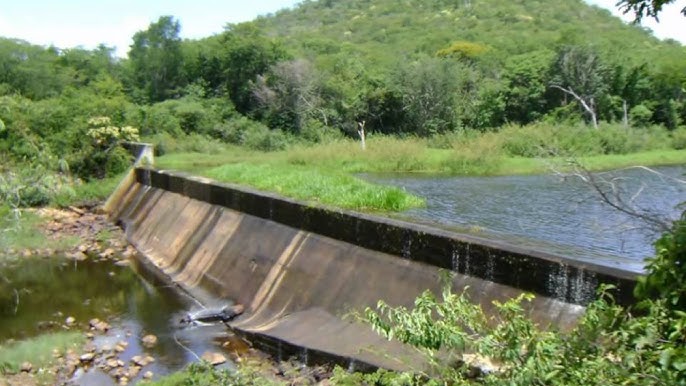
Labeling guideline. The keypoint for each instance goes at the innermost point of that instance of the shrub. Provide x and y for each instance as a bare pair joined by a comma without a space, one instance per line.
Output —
679,138
252,134
29,187
481,155
640,115
103,155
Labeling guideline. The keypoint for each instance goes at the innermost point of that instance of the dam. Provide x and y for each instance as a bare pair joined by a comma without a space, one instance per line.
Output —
301,269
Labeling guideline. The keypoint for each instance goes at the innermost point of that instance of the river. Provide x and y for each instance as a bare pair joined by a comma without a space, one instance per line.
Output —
558,215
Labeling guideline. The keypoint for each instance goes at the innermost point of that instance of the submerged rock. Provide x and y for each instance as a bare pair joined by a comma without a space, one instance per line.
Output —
149,340
213,358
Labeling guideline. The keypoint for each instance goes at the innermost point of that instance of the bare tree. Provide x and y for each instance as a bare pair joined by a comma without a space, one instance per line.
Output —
360,132
580,73
292,91
589,105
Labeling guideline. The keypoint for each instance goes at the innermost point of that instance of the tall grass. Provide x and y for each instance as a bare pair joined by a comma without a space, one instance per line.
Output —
317,185
321,172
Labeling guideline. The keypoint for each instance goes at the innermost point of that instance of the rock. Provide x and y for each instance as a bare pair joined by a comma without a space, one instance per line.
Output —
26,367
122,263
98,325
148,360
78,256
148,375
114,363
83,248
90,347
70,321
214,358
129,251
124,380
134,370
107,253
149,340
138,360
88,357
26,253
90,335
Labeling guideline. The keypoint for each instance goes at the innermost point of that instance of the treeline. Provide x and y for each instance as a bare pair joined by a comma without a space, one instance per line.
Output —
267,83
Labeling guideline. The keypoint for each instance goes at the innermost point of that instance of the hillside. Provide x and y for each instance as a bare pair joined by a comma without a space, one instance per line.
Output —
385,31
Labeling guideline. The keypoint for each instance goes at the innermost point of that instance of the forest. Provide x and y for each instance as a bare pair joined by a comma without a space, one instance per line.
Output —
557,78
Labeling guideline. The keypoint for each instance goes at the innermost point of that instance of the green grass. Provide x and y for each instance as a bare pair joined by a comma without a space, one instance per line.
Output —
19,230
317,185
520,165
322,173
22,230
89,192
37,350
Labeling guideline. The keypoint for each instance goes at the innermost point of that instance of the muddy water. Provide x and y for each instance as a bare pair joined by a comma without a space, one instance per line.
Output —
38,294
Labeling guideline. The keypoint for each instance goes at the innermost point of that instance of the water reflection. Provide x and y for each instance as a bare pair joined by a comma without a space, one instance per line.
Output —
38,294
547,212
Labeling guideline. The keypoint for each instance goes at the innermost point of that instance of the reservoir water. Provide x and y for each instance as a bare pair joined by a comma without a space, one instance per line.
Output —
558,215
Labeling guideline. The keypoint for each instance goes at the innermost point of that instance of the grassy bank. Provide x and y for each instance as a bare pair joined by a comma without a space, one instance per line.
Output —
38,351
322,172
317,185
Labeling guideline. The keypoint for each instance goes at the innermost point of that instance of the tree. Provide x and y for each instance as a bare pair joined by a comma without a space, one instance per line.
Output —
527,80
643,8
428,89
290,94
579,73
245,54
155,59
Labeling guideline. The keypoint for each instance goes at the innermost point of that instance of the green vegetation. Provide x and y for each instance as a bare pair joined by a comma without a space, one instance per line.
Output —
495,81
21,230
439,86
38,351
609,346
316,185
204,374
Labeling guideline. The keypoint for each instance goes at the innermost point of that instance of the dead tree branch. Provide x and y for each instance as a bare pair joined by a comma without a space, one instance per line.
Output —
588,107
610,192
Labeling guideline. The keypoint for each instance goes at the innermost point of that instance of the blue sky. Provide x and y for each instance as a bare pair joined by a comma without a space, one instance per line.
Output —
86,23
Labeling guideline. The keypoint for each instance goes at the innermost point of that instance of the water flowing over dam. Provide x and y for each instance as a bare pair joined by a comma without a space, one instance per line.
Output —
299,269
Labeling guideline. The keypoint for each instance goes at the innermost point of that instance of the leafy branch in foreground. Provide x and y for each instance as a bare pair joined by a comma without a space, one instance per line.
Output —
609,345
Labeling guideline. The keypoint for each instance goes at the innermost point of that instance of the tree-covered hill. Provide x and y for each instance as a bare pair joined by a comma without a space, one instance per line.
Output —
324,69
388,31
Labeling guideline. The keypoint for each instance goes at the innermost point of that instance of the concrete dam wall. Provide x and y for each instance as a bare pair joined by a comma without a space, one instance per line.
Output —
299,268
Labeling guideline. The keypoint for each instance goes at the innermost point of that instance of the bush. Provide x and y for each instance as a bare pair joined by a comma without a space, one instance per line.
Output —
314,131
30,187
679,138
165,143
640,116
252,134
